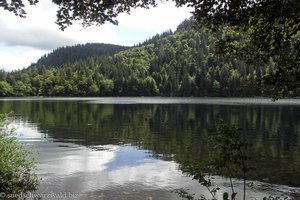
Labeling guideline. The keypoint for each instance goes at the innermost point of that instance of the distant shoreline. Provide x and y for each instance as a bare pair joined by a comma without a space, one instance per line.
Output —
165,100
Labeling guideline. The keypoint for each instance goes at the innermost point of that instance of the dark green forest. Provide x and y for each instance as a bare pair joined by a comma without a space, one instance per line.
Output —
183,63
71,54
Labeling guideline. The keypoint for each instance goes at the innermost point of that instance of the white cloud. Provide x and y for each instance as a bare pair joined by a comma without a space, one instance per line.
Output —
37,30
164,16
101,34
13,58
36,37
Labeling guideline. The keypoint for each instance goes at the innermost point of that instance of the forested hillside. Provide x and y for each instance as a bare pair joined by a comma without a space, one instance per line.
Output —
176,64
71,54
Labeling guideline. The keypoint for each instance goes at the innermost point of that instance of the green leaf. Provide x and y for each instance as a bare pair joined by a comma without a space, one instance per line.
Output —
225,196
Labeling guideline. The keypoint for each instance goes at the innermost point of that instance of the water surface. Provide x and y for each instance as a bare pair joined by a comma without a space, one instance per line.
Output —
132,148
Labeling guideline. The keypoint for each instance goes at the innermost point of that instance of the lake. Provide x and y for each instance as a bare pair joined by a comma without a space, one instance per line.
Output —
132,148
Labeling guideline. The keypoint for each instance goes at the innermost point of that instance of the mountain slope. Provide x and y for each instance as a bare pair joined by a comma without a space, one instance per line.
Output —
178,64
71,54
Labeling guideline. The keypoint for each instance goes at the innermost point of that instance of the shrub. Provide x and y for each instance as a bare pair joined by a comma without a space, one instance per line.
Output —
17,166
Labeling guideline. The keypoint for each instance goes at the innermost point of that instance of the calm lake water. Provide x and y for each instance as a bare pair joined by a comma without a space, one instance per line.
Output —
132,148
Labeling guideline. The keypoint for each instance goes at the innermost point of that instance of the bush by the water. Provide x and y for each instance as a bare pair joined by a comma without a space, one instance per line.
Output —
17,166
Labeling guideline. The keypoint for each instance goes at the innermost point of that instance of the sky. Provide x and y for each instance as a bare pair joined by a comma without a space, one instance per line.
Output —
24,40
